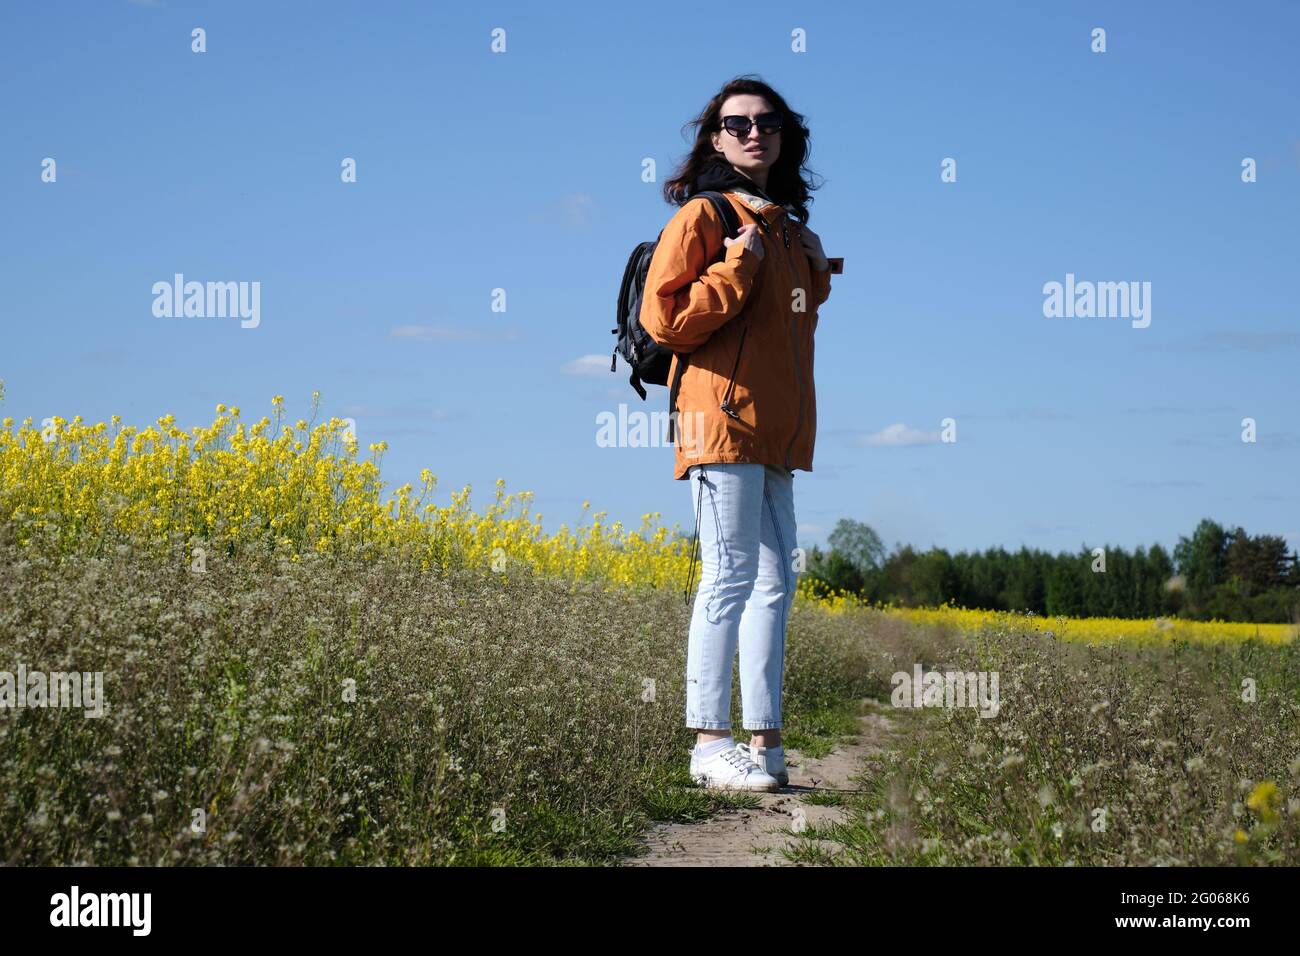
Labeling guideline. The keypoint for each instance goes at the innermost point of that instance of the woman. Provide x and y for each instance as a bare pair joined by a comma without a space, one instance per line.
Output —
741,390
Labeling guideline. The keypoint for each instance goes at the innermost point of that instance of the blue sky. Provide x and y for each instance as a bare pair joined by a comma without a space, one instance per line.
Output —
522,170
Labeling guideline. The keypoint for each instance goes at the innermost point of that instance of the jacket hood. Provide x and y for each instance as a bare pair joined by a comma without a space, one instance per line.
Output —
720,175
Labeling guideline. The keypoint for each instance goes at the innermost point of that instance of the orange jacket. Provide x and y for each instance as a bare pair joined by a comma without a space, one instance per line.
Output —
743,339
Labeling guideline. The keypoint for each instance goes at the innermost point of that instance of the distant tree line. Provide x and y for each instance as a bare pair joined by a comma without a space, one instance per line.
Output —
1214,574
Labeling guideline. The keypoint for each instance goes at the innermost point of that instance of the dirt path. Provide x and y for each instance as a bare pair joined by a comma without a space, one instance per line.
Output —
754,837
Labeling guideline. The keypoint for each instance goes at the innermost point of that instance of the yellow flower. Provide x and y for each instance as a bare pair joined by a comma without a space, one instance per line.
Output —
1265,800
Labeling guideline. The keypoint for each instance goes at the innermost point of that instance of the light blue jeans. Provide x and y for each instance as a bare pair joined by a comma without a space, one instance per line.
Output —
745,514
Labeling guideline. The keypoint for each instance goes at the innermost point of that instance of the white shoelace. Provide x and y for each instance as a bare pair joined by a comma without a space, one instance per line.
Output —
735,757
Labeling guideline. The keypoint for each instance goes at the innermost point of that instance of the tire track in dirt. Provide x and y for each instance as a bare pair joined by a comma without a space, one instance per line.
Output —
755,837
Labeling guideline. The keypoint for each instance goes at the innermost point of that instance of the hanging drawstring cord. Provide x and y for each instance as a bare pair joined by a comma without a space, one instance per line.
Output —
690,575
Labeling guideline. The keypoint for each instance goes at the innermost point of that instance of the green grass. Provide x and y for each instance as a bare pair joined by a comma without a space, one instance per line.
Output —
505,719
497,719
1099,756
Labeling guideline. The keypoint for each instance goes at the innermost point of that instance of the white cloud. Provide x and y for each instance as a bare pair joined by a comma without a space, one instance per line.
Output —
571,209
897,435
588,366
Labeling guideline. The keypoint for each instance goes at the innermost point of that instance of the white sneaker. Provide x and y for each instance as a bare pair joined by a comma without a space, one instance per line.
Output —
771,762
730,769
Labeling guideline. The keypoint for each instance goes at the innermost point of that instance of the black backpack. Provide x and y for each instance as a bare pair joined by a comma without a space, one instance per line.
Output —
648,359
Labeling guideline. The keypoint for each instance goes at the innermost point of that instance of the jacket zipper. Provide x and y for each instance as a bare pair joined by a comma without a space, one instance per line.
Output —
794,343
731,382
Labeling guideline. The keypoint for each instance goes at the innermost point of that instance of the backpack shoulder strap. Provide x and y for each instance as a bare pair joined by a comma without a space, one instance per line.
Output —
726,211
730,221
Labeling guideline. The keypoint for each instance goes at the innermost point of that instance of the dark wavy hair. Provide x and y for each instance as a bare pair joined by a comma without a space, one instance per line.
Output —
788,181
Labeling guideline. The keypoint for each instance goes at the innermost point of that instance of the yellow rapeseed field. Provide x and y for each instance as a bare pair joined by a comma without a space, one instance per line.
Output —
1097,630
292,487
301,486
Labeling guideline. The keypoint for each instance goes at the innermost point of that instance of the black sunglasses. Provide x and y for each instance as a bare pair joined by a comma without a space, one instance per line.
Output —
740,126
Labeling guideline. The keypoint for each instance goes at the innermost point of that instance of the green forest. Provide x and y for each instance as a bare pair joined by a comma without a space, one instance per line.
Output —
1215,574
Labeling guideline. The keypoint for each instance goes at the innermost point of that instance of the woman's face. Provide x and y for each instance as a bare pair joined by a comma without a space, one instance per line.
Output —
753,151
